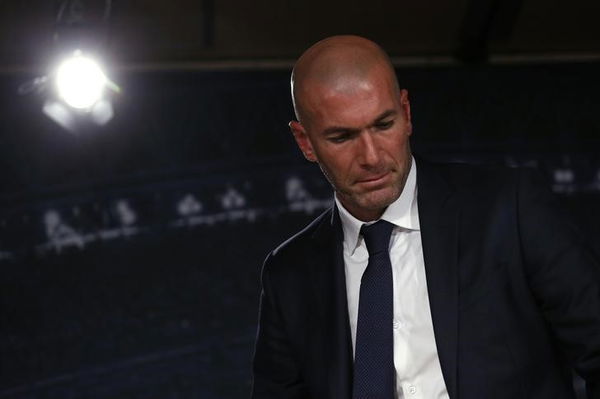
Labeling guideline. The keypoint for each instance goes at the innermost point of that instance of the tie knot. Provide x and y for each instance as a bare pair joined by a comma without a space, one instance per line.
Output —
377,236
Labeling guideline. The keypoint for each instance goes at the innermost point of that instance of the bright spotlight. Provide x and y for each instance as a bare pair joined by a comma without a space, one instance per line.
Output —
80,81
81,96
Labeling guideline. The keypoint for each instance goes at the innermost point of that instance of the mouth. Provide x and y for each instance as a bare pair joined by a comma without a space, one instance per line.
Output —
373,180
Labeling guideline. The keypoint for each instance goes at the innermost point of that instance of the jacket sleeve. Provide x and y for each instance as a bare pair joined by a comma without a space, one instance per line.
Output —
276,373
564,277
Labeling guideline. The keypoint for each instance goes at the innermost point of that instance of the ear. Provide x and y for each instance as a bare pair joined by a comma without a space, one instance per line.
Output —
303,140
405,104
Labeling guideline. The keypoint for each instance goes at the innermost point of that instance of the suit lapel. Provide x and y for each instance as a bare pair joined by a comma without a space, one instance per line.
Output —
439,215
329,289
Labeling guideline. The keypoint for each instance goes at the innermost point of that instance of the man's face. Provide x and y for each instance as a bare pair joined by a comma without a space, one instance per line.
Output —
358,133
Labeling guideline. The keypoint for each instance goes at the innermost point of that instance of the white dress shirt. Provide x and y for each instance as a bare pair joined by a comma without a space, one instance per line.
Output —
418,371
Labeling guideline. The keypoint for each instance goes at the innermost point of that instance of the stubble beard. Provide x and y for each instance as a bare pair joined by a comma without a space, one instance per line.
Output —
373,201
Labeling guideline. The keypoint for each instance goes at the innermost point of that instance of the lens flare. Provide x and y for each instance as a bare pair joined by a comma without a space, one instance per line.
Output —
80,81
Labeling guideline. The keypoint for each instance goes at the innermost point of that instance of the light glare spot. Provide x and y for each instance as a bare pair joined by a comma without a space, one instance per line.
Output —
80,81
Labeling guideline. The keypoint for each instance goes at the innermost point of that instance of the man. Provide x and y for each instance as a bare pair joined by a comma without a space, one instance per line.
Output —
423,280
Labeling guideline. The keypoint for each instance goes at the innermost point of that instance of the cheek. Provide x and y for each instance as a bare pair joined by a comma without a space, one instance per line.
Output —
338,163
396,156
400,145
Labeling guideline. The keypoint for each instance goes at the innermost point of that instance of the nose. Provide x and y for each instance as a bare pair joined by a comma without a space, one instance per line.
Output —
368,152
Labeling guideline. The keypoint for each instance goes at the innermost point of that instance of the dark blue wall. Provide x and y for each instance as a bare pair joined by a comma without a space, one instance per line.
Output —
130,254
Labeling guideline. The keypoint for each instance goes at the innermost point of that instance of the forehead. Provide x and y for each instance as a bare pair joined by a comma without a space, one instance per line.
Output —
351,103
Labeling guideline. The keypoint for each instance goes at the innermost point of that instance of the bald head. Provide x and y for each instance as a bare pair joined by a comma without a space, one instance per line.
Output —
339,64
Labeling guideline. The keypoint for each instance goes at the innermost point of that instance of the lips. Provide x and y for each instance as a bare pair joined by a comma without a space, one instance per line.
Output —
373,180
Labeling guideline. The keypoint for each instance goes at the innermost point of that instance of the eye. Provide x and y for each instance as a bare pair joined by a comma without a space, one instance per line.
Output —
339,138
384,125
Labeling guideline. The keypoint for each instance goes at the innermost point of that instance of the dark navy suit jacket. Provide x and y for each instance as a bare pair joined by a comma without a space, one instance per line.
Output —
514,295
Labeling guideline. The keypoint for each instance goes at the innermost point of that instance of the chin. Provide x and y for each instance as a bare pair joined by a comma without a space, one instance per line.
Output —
378,200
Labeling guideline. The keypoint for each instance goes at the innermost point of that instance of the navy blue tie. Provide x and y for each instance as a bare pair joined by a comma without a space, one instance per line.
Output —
374,374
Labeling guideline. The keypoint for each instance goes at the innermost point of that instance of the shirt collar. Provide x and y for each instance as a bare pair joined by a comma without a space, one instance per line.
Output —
402,213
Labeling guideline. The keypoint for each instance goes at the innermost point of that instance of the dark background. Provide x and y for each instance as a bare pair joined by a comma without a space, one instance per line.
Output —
130,253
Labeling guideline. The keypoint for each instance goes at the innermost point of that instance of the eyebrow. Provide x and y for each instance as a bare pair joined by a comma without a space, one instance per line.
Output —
345,129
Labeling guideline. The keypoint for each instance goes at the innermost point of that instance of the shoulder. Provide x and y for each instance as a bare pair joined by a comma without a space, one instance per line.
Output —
466,178
481,189
298,249
456,172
